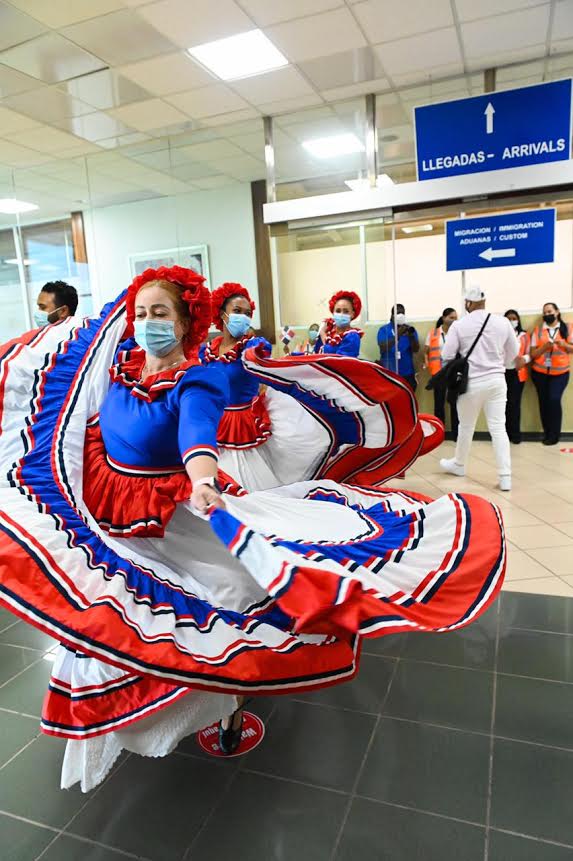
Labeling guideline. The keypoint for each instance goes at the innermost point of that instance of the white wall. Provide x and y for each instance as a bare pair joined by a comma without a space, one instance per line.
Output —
221,219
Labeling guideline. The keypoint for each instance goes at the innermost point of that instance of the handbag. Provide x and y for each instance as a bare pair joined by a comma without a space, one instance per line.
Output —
454,374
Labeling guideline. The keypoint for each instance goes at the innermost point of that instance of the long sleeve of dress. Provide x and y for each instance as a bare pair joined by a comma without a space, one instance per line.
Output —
201,406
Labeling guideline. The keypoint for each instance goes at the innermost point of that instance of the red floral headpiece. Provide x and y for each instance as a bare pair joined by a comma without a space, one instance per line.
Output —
193,292
352,297
220,296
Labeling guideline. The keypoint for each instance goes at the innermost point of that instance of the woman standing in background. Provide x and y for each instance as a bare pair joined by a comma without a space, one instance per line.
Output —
337,335
516,380
551,346
433,361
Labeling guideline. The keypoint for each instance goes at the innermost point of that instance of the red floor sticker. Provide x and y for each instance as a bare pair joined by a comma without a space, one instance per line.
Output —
252,736
567,450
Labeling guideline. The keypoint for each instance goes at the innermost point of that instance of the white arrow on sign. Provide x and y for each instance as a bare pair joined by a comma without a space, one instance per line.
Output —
489,112
489,254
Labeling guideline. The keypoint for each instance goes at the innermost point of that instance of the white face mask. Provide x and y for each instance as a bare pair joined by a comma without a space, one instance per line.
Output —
514,323
400,319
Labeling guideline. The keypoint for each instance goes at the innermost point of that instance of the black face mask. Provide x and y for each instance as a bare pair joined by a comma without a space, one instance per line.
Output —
549,318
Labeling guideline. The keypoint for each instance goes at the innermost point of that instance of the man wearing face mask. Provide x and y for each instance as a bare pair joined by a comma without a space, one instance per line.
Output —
408,344
56,301
496,349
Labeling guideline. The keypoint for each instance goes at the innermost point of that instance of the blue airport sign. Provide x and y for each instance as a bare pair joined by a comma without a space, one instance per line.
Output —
510,239
511,128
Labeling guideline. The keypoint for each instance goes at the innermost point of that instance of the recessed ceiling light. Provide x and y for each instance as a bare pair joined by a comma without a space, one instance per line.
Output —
241,56
363,184
334,145
11,206
418,228
13,261
389,138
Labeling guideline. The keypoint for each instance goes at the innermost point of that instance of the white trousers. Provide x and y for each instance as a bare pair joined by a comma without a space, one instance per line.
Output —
490,395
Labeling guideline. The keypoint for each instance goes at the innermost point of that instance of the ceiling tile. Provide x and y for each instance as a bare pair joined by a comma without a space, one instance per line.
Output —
120,37
94,127
505,32
150,114
429,74
207,101
123,140
59,13
190,24
264,88
51,58
10,122
386,20
171,73
245,168
16,27
344,69
187,172
427,51
266,13
48,105
469,10
214,182
283,106
50,140
79,149
563,20
533,52
319,35
353,90
15,155
212,150
12,82
105,89
232,117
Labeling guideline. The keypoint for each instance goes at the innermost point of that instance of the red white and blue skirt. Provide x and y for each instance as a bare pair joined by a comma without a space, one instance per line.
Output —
274,594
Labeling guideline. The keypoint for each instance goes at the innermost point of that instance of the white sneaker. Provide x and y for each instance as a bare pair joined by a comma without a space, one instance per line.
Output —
450,465
505,482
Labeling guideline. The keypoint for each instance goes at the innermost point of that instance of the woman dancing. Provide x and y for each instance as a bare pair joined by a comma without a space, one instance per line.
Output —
337,335
210,593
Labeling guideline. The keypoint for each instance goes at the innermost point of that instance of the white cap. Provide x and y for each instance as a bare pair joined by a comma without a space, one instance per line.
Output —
474,293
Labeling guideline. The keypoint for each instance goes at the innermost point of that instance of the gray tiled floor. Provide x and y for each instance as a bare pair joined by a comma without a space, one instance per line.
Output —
454,746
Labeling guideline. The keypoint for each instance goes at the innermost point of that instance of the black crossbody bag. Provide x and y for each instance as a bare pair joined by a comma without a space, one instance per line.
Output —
454,374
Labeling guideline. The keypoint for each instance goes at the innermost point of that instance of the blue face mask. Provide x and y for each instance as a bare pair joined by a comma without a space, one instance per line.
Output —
41,318
238,325
342,319
312,335
156,337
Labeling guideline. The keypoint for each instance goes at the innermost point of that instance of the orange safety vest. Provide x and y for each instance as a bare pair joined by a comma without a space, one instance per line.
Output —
558,358
434,359
524,344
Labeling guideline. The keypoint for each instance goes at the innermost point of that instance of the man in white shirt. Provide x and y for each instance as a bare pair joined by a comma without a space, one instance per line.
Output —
495,351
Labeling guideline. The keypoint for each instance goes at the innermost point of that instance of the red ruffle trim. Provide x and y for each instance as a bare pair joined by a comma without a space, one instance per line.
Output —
245,426
134,506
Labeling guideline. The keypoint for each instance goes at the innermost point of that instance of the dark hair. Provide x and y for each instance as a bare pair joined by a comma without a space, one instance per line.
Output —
563,327
445,313
396,309
64,294
225,305
513,311
313,325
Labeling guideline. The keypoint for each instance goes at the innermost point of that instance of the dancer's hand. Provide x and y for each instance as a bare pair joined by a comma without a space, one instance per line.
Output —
204,497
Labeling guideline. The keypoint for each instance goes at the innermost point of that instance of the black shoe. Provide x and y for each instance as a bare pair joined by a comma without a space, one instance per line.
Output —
550,441
230,739
515,440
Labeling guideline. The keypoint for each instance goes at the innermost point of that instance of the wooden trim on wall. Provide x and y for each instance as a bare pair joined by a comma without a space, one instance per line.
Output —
79,238
263,257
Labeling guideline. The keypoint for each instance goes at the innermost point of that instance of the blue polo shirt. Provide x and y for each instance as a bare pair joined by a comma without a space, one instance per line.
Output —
388,357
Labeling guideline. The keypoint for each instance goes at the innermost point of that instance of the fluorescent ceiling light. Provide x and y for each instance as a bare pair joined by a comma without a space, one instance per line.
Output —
13,261
418,228
11,206
333,146
240,56
362,184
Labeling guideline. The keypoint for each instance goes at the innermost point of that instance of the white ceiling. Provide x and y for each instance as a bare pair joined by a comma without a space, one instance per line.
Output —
100,104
